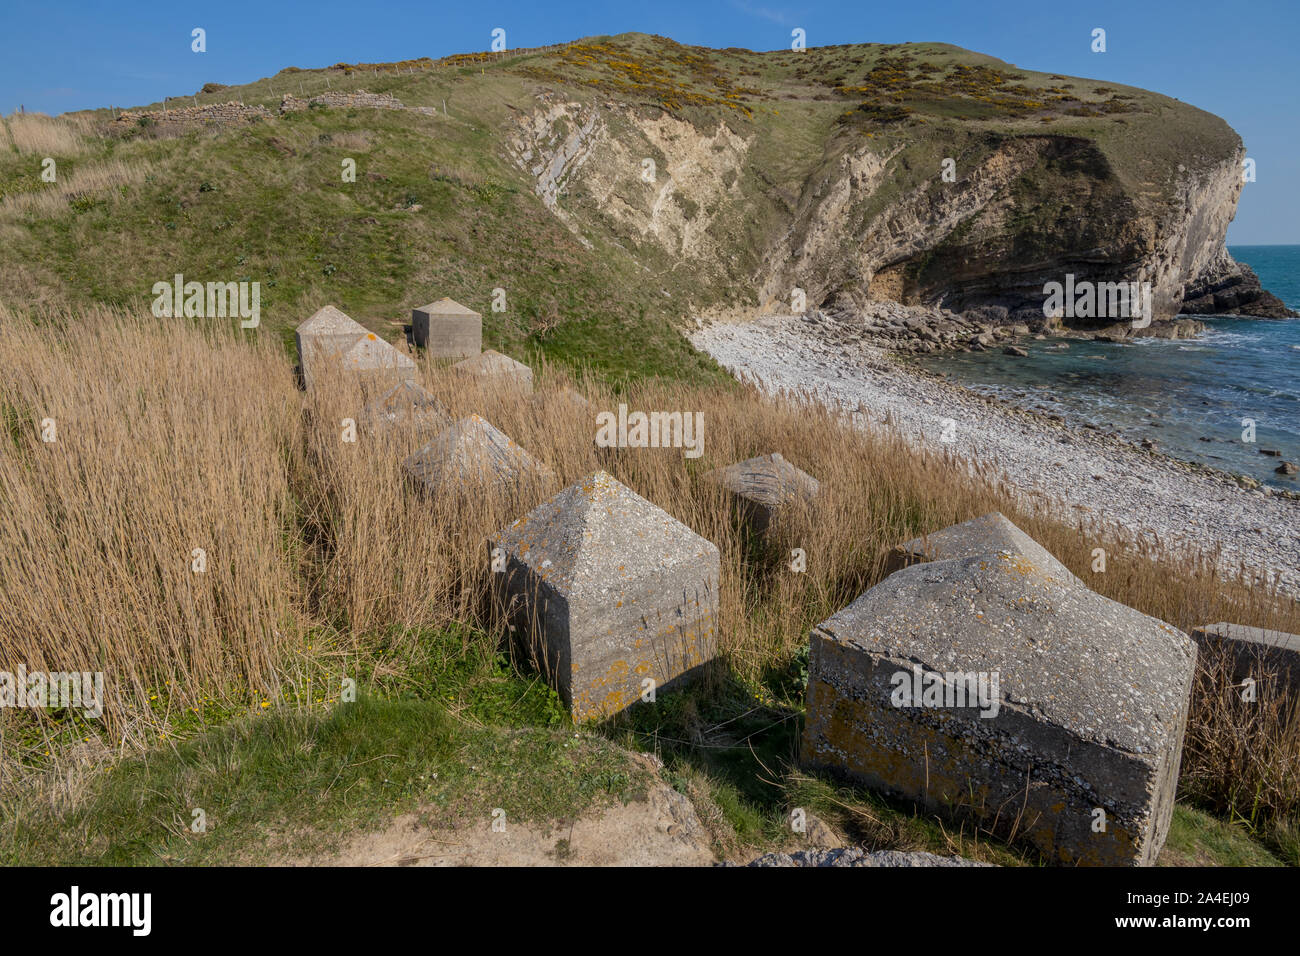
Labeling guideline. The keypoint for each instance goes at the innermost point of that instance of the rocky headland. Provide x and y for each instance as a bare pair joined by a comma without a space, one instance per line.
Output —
914,175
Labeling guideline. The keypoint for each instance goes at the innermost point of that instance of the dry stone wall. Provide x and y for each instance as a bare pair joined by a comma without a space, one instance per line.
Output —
337,99
216,114
233,113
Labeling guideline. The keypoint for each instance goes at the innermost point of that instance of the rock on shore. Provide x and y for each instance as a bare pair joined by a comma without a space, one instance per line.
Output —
918,329
1228,287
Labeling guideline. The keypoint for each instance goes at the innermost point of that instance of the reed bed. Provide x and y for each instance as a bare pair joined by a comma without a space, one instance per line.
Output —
41,135
126,447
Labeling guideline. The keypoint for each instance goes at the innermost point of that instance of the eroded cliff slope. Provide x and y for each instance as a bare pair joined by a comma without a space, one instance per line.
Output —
918,173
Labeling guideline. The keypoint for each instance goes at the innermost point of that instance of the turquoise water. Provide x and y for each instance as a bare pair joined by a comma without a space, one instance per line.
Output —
1189,396
1278,268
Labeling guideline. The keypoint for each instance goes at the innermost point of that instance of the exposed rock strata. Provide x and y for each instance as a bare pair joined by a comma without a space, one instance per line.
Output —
1227,287
917,329
864,227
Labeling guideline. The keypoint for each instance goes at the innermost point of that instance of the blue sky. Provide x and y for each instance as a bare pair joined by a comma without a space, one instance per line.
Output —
1237,60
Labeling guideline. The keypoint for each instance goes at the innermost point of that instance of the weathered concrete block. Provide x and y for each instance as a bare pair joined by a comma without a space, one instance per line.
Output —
607,591
329,340
447,329
472,453
493,365
1257,653
324,337
375,361
989,686
406,404
762,487
984,535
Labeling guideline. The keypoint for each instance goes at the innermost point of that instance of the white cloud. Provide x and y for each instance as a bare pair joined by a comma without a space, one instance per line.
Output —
763,13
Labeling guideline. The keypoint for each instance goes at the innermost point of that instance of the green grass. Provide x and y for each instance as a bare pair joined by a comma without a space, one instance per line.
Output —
1198,839
454,730
454,736
429,215
294,784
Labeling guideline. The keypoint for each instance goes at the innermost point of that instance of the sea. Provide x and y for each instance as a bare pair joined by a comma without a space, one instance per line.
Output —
1201,400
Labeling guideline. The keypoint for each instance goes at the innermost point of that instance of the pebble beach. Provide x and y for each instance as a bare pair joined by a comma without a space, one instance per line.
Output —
1069,472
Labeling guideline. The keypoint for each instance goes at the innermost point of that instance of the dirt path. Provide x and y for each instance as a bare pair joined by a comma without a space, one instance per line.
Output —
661,830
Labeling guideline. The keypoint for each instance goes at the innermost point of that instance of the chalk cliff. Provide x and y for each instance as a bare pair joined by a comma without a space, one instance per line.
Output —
955,180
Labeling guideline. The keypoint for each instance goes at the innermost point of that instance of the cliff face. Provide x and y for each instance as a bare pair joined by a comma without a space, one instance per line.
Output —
921,208
1067,212
654,179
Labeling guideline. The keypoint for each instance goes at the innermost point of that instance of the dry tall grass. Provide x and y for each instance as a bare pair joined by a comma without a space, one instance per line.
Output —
176,438
42,135
393,556
876,491
166,439
1242,750
89,182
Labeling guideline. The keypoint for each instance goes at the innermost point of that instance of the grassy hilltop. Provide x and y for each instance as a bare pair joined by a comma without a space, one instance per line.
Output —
225,688
440,208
